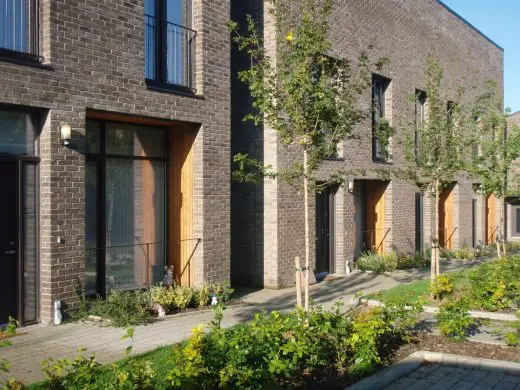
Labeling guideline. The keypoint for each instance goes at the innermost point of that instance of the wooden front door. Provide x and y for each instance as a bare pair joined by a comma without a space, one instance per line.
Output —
446,220
375,216
491,219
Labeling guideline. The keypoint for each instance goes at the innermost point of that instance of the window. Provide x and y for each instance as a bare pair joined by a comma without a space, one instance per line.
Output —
19,29
420,119
518,221
380,127
125,207
169,43
17,135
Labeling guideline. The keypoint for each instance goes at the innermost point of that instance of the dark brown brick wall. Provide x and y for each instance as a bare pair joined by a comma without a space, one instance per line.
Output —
95,56
406,32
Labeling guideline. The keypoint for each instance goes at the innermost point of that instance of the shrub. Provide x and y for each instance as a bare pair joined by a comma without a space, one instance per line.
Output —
454,319
201,296
370,261
182,297
442,287
408,261
124,308
446,253
464,253
495,285
79,373
164,296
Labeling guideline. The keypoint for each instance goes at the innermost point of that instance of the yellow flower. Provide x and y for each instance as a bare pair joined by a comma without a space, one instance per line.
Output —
290,37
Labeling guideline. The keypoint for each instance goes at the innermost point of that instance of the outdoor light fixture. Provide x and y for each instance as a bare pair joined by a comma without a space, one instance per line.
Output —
65,134
351,186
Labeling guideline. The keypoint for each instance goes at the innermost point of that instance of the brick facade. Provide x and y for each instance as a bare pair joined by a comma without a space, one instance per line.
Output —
512,207
94,60
406,32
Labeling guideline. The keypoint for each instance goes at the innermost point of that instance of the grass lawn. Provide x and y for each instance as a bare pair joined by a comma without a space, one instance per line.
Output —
418,290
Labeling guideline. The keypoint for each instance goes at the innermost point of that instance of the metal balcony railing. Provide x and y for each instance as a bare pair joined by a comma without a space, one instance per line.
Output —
169,50
20,29
134,266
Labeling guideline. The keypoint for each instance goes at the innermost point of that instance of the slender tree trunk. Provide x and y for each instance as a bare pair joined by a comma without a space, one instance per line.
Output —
307,233
437,217
502,223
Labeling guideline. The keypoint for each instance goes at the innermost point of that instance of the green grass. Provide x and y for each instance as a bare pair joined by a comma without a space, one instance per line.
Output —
419,290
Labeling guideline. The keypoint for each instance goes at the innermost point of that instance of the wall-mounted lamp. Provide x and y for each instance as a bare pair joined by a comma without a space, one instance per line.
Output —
351,186
65,134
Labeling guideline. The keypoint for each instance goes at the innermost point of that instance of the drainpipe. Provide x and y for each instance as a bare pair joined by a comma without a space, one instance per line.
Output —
57,313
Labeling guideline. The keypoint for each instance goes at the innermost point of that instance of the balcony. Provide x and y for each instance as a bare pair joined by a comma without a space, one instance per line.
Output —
169,50
19,30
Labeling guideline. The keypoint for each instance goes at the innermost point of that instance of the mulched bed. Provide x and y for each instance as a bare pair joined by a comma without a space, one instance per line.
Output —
432,343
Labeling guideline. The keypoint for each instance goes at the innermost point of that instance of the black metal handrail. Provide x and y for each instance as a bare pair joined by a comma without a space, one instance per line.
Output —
20,30
169,52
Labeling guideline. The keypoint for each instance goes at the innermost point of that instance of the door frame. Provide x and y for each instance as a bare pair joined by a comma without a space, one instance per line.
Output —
20,162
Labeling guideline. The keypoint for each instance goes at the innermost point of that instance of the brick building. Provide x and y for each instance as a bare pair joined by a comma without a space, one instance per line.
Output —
118,120
114,147
267,220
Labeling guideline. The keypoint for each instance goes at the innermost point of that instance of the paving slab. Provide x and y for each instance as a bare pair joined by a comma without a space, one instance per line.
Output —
40,342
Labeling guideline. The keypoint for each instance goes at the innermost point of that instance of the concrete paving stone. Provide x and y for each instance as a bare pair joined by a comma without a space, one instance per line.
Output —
422,384
504,386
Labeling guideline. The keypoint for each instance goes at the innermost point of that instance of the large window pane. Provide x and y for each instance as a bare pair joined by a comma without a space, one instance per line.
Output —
135,222
14,25
92,137
129,140
16,133
91,213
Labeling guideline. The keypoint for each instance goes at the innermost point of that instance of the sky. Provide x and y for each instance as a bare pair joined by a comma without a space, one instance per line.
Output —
500,21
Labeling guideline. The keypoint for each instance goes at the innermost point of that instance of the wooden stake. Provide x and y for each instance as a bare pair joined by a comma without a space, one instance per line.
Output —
298,281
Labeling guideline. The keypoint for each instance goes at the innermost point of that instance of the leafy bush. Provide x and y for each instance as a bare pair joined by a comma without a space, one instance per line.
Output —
454,319
124,308
79,373
496,285
408,261
464,253
370,261
442,287
446,253
164,296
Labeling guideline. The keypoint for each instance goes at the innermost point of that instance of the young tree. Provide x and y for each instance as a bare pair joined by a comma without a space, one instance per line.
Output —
497,149
302,93
432,150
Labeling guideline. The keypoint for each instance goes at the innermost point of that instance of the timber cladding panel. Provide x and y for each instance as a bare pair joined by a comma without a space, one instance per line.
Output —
407,32
94,52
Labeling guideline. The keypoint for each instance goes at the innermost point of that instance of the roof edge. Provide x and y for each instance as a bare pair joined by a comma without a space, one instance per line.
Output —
470,25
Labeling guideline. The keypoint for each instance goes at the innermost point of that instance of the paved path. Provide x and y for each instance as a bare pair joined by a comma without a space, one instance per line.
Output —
441,377
37,343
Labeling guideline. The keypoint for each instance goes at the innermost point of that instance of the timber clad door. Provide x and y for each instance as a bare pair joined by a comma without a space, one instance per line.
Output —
182,245
446,222
9,256
375,216
491,221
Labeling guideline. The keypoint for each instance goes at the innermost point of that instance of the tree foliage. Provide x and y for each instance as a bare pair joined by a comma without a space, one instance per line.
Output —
303,93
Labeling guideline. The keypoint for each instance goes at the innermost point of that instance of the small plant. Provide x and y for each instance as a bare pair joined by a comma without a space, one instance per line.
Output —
454,319
370,261
79,373
183,297
446,253
442,287
124,308
512,339
464,253
409,261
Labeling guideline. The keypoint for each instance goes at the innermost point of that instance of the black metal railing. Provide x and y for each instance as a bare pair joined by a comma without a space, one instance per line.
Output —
169,50
134,266
20,29
374,240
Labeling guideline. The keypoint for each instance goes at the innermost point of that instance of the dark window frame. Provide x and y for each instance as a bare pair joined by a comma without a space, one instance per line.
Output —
100,158
420,118
32,53
159,25
380,86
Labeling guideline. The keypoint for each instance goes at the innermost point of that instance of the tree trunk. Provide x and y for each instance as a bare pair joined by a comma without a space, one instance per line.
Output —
307,233
436,253
501,227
